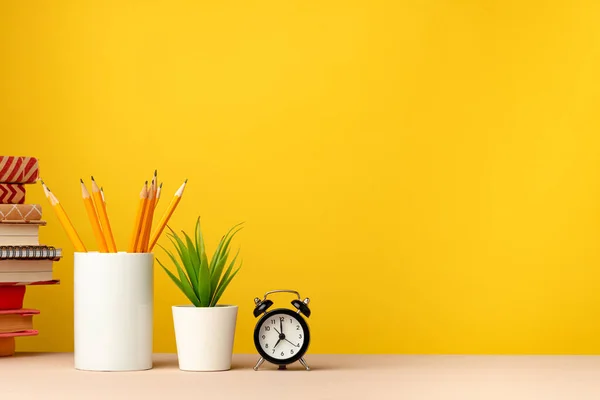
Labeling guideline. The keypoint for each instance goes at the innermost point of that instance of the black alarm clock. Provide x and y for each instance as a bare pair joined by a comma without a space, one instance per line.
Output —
281,336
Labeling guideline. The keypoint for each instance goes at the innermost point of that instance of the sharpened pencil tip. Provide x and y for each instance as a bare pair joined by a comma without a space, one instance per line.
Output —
80,180
145,183
185,181
160,185
92,177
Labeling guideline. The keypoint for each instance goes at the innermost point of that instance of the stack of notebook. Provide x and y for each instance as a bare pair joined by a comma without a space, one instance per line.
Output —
23,260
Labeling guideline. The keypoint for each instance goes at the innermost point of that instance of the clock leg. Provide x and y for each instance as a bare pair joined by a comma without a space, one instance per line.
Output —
305,364
259,363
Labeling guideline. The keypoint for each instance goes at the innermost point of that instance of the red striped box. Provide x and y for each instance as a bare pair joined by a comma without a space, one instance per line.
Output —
12,194
14,169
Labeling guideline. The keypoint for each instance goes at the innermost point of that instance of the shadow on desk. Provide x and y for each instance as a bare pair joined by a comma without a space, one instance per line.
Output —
235,366
245,362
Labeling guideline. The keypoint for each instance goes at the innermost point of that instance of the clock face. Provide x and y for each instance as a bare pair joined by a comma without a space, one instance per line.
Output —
282,336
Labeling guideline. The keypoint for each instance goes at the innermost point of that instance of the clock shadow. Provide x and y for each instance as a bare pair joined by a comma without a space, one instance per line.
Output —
323,362
295,367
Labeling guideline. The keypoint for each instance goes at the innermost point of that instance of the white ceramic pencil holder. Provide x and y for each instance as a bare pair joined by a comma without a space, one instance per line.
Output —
113,311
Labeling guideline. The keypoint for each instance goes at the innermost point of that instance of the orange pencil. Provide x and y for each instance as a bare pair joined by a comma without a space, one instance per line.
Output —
158,195
137,225
166,216
46,190
103,216
139,241
151,208
64,220
93,217
146,221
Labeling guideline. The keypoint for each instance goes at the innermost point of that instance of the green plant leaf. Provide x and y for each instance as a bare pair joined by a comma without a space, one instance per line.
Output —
201,280
182,276
194,256
173,277
204,288
230,268
186,260
185,283
223,252
215,255
227,273
215,275
225,247
190,271
190,295
179,251
184,256
200,245
199,238
223,286
220,247
216,278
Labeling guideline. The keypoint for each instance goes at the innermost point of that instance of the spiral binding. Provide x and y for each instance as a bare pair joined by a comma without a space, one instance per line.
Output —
29,252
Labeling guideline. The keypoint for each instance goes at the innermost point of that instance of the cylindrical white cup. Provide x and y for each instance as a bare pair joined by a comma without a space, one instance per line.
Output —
113,311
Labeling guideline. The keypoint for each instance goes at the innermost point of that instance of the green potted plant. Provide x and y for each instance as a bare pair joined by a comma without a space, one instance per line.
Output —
204,329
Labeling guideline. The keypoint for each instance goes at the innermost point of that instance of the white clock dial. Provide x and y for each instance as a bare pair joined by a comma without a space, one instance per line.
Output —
281,336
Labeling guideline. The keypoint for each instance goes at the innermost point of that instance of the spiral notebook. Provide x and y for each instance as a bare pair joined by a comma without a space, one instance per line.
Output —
30,253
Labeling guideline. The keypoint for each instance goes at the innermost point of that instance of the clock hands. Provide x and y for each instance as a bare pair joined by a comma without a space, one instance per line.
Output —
295,345
281,335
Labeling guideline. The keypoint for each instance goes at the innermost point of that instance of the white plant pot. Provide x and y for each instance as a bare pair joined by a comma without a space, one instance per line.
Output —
204,337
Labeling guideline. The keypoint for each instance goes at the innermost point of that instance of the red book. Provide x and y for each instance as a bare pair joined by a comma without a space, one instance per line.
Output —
29,332
13,293
11,297
13,321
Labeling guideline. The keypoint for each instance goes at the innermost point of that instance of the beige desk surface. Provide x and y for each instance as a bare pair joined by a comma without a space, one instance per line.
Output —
48,376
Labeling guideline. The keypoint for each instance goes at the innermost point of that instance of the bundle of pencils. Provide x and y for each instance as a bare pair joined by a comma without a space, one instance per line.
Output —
142,238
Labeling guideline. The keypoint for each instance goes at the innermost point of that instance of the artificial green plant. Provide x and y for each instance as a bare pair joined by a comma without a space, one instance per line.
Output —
202,281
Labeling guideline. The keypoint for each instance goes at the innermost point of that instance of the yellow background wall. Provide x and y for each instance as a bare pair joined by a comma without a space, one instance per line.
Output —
427,172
